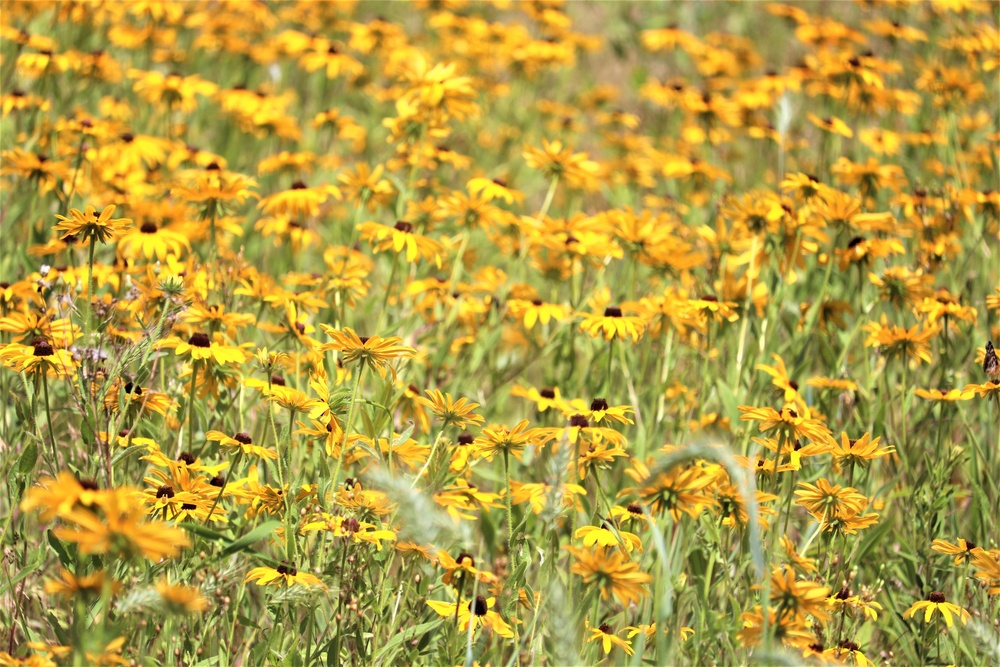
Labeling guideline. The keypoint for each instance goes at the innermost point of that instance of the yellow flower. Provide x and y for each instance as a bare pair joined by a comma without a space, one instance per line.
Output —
120,527
199,347
181,599
936,602
241,442
401,237
962,551
39,358
152,241
373,352
285,575
613,324
457,413
608,638
494,189
497,439
558,161
613,572
831,124
101,228
605,537
477,611
860,451
795,597
535,311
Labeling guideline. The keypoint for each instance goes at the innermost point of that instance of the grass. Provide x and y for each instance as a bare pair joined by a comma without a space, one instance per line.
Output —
631,333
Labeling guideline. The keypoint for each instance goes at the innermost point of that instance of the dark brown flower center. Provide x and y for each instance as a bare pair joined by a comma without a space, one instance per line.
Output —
598,404
606,629
148,228
299,185
165,491
43,348
479,606
579,420
465,439
200,340
936,597
278,380
89,485
186,457
218,481
243,438
403,226
612,311
462,557
547,393
189,506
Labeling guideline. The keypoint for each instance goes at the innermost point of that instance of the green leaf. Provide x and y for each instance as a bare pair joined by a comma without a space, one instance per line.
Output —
26,462
407,634
207,533
728,401
59,548
255,535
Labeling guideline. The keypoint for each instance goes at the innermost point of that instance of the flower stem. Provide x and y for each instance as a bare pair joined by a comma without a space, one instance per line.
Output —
347,430
90,286
194,377
510,511
48,421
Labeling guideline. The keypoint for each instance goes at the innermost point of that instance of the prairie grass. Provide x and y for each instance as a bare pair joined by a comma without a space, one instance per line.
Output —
499,333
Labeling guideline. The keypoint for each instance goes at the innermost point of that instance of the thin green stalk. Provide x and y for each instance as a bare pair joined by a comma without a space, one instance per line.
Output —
347,429
48,421
90,287
510,511
191,399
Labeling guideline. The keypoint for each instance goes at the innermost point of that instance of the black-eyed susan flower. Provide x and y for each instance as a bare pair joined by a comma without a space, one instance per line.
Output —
299,201
458,413
181,599
202,347
859,451
497,439
612,324
936,603
88,224
399,238
151,241
787,422
39,358
612,572
240,442
88,586
479,612
494,189
120,528
604,536
372,352
962,550
608,638
283,575
824,499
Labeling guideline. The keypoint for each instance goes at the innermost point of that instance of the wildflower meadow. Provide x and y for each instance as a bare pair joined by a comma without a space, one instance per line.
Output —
488,332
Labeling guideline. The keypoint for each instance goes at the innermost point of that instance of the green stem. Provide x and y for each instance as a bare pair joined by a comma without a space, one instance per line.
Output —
90,286
347,430
191,398
48,420
510,511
